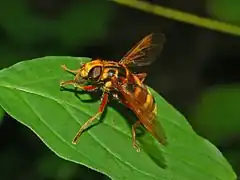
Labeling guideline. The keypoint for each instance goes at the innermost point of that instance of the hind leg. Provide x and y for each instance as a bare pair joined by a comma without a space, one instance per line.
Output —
134,142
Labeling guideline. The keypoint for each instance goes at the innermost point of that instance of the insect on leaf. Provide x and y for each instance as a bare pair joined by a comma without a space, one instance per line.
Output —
30,93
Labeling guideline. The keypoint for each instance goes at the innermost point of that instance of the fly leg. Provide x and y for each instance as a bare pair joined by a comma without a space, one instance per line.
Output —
86,124
134,142
76,72
76,85
141,76
64,83
69,70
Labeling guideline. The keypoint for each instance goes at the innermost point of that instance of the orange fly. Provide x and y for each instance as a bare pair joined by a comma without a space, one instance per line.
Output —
115,78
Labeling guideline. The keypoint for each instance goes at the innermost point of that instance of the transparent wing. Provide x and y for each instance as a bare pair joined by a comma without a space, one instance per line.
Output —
145,51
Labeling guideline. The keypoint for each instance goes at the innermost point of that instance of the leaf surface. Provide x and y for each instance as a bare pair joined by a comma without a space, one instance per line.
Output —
30,93
1,114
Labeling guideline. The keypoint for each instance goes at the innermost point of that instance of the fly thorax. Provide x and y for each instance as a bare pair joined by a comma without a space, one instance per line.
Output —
108,84
109,73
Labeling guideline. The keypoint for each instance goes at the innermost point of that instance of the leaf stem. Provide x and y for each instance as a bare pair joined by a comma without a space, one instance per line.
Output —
182,16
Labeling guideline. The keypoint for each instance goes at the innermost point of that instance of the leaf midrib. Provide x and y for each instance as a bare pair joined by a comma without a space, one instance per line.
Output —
94,137
86,112
55,133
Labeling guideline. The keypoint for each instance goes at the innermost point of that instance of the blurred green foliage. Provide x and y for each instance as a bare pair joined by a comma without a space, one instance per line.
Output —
226,10
46,165
77,24
57,168
234,158
84,23
154,8
23,26
217,114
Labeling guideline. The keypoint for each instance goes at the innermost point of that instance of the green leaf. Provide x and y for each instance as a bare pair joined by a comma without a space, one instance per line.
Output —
227,10
30,93
1,114
216,115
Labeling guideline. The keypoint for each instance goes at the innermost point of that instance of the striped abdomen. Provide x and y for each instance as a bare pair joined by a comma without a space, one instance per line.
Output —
143,97
139,99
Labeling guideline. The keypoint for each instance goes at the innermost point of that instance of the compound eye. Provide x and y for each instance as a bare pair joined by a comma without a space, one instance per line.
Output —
95,73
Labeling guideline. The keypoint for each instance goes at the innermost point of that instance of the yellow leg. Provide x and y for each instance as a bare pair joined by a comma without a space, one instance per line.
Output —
64,83
134,142
85,126
74,83
69,70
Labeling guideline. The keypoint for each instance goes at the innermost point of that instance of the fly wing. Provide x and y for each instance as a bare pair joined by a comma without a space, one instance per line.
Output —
145,51
147,118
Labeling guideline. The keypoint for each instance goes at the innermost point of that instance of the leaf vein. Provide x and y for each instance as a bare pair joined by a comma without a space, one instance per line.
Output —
54,132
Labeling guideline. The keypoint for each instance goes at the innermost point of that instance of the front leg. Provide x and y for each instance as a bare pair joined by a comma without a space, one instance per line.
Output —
69,70
76,85
104,101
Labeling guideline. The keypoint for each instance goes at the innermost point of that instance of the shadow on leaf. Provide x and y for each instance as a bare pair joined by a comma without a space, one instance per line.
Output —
147,142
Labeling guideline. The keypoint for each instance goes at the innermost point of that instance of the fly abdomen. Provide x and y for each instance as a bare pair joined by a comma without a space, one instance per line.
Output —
143,96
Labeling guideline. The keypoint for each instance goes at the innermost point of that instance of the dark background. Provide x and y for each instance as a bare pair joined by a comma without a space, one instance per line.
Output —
197,72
